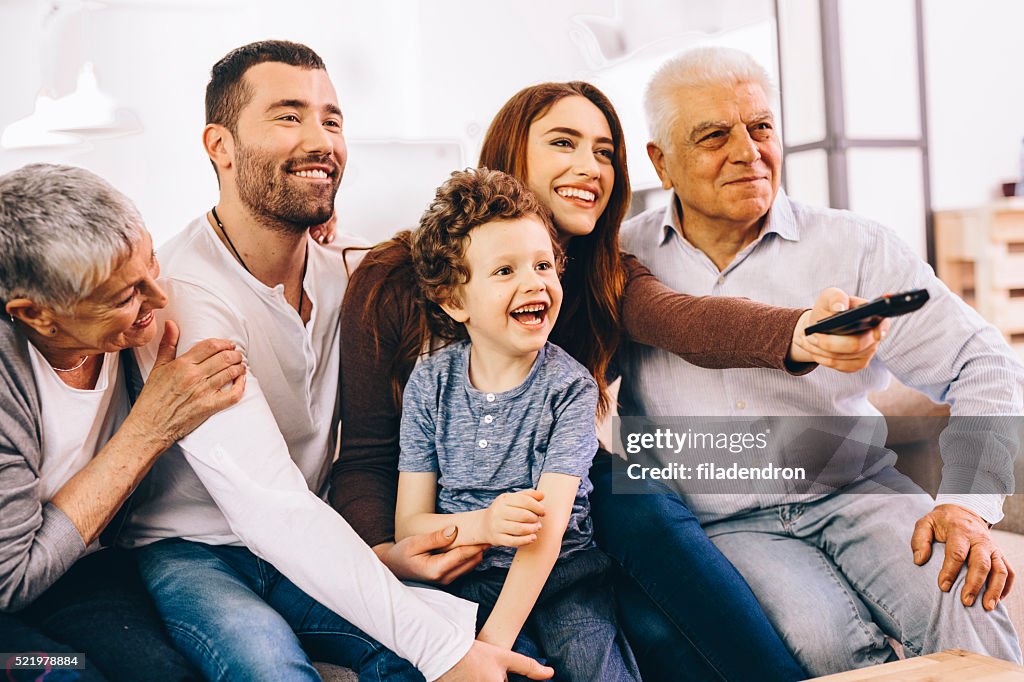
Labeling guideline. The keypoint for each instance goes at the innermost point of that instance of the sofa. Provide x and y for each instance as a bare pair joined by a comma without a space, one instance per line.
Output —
914,440
913,423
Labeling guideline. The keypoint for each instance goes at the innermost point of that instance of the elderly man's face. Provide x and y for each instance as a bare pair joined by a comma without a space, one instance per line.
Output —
725,159
289,149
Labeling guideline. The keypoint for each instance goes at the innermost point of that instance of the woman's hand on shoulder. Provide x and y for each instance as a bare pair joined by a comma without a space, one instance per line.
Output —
182,393
325,233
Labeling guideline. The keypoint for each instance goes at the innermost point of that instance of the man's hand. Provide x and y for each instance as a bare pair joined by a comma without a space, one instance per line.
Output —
488,663
424,558
842,353
513,519
967,538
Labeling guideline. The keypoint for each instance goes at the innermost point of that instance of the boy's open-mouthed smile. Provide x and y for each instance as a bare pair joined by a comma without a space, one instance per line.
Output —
512,298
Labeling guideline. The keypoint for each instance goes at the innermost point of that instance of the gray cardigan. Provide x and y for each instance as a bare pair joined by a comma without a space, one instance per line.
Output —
38,542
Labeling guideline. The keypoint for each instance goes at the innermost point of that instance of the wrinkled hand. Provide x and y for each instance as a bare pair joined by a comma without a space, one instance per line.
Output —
969,539
424,557
842,353
488,663
513,519
324,233
180,394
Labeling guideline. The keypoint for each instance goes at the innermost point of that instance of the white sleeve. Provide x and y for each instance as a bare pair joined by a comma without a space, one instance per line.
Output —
243,461
987,506
949,352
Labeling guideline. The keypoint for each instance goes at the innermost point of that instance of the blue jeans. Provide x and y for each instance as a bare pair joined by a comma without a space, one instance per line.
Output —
846,559
237,618
686,611
99,607
573,620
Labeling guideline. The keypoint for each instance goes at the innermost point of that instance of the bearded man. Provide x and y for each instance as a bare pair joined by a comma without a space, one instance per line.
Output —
249,567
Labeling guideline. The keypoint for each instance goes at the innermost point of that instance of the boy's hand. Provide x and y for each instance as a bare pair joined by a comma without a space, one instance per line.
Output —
513,519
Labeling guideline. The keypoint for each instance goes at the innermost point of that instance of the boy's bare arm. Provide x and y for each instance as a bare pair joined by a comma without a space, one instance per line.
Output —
415,511
512,520
532,563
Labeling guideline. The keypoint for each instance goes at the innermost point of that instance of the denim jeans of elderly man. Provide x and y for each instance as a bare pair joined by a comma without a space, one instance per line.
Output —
269,628
851,551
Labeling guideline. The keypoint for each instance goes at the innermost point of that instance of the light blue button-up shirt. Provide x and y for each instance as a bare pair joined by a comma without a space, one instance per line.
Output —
945,349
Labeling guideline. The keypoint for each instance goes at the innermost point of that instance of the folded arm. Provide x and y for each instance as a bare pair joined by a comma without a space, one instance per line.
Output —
415,511
512,520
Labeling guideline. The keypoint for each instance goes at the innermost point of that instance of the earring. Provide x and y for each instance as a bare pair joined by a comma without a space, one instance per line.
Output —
53,331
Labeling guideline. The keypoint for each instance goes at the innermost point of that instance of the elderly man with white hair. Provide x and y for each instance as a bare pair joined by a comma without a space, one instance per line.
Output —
836,573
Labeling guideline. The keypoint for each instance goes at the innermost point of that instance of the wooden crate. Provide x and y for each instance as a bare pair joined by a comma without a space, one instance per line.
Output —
980,256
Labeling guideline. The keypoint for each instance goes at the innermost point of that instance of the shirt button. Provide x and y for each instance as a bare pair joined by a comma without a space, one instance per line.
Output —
488,419
740,404
482,443
721,281
490,397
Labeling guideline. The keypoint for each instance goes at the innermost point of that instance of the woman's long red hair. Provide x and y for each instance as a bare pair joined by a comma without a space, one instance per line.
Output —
589,325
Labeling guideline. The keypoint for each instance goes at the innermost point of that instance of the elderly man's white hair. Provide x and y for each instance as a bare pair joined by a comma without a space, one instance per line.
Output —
699,67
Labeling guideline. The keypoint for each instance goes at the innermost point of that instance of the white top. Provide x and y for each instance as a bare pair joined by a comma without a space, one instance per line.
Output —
76,423
256,474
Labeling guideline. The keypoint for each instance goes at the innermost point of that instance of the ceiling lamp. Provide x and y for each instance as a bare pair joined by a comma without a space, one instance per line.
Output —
87,113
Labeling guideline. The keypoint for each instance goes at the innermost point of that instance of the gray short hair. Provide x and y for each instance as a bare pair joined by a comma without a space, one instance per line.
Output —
62,232
699,67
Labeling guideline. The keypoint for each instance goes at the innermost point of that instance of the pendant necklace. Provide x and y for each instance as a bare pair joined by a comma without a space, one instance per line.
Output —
305,262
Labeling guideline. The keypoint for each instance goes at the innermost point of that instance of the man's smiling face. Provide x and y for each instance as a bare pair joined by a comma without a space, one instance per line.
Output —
724,160
290,152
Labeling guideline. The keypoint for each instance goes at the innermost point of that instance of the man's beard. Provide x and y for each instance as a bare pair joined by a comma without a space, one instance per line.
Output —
266,187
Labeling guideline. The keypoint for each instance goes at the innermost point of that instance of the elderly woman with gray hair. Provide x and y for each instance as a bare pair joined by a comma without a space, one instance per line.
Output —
78,431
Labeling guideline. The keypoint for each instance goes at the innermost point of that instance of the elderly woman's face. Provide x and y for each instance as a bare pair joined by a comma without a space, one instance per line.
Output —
119,313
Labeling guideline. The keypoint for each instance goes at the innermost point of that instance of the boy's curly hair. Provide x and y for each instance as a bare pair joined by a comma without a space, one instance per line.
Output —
468,199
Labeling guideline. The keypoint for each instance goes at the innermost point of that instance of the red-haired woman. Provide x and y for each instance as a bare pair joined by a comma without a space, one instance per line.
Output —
565,141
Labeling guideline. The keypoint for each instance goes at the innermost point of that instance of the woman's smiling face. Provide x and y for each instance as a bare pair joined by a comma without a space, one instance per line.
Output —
569,167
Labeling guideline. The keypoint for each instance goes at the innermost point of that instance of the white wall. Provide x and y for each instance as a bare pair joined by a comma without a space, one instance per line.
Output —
975,97
431,72
437,71
974,104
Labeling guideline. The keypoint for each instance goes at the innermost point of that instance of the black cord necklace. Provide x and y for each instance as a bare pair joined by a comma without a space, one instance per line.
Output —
305,260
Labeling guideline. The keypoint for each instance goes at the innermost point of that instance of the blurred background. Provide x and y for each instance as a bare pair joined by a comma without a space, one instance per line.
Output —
907,111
